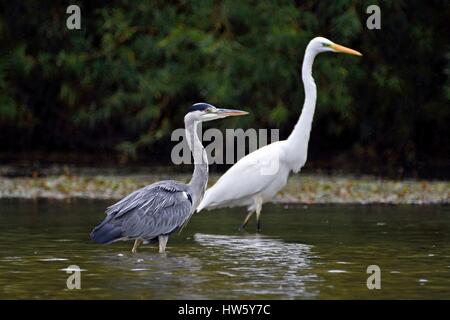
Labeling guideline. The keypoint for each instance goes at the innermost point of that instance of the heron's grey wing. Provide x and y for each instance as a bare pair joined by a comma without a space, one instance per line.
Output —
154,210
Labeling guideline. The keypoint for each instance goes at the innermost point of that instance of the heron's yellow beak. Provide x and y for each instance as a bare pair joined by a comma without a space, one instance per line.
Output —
231,112
339,48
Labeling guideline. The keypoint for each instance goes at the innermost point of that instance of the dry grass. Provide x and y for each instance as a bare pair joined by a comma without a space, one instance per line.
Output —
307,189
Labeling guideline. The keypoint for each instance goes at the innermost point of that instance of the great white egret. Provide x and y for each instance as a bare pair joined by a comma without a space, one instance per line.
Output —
257,177
157,210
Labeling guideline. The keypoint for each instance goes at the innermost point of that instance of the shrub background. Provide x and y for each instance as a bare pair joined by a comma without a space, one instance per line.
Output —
123,82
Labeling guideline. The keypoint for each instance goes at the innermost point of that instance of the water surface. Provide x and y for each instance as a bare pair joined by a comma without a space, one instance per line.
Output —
314,252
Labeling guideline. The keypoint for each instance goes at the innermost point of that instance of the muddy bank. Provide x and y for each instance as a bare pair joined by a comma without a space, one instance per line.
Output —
302,189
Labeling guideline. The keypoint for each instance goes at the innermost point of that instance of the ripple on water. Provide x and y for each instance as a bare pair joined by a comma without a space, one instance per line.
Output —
139,269
337,271
52,259
226,273
9,259
260,265
72,269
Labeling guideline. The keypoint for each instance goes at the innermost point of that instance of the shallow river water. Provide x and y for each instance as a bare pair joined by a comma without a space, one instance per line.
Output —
313,252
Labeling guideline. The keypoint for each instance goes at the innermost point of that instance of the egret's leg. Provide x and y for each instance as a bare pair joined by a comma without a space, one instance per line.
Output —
258,205
162,243
246,220
137,243
258,221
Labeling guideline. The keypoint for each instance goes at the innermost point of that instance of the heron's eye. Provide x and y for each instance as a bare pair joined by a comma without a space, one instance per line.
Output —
325,44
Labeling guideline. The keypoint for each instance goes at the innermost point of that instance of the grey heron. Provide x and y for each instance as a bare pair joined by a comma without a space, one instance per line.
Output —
158,210
259,176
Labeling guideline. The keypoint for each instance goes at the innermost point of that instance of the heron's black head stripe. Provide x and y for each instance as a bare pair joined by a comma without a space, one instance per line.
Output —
189,197
199,106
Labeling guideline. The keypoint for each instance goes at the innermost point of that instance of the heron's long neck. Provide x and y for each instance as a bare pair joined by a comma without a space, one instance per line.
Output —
200,175
299,138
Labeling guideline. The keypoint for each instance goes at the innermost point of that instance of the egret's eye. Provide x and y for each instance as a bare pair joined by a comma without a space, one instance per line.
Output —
325,44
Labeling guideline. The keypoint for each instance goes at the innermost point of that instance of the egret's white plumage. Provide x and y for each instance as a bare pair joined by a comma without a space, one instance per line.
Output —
259,176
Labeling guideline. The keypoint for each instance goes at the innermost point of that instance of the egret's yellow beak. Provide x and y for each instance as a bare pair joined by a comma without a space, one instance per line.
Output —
339,48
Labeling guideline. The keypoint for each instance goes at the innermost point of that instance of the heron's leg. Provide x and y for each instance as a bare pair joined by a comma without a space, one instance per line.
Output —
258,204
137,243
162,243
246,220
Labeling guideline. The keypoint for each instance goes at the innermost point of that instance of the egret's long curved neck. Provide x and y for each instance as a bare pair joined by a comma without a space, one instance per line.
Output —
299,138
200,176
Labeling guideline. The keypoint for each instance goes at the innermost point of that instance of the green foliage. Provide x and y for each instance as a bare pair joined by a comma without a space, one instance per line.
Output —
124,81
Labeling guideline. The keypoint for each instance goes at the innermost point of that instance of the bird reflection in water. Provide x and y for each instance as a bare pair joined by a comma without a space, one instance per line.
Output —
261,265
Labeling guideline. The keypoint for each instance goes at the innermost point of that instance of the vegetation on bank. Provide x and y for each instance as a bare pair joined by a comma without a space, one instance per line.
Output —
302,189
123,82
